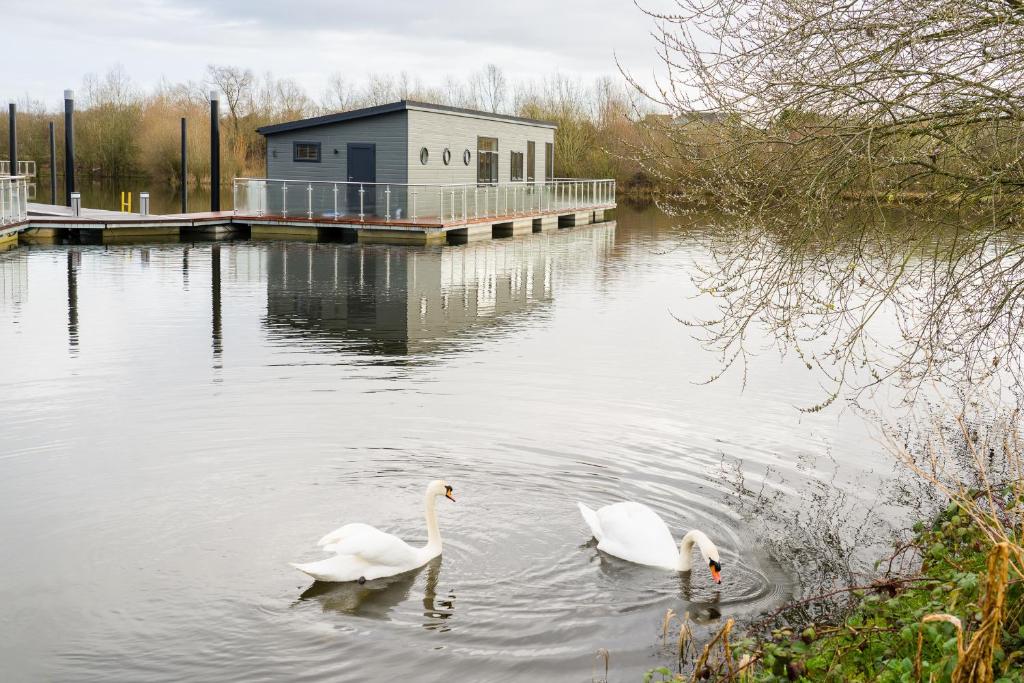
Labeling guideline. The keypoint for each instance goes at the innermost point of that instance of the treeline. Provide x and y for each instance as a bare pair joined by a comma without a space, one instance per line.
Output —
122,130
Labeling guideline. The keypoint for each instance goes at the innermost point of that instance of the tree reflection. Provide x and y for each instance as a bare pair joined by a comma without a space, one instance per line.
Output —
868,302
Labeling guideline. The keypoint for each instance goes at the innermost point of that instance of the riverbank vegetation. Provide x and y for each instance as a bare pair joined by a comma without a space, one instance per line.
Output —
123,130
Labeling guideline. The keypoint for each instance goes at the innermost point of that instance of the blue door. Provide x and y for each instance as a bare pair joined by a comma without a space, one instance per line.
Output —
362,168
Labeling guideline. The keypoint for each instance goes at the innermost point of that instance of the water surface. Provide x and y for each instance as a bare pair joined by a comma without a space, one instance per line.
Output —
182,420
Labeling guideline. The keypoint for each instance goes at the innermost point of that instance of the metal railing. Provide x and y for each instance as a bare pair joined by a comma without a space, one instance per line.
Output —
13,199
25,168
416,203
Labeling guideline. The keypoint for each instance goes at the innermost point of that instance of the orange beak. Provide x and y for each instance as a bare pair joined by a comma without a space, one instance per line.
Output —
716,575
448,494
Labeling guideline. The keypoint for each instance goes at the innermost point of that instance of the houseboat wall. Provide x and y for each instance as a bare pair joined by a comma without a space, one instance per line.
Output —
387,132
458,132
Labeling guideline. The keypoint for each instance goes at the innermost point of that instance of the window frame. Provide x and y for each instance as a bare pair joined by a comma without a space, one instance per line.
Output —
531,161
516,161
549,161
310,144
489,158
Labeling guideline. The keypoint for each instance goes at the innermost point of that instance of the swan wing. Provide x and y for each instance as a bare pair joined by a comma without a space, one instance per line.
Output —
341,533
635,532
375,547
339,568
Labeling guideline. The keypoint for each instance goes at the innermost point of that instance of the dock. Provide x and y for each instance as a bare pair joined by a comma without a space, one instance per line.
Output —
339,212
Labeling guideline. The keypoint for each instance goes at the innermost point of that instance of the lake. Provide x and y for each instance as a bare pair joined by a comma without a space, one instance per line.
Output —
181,421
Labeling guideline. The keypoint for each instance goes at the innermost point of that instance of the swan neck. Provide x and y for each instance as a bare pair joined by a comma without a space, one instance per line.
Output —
686,552
433,531
698,538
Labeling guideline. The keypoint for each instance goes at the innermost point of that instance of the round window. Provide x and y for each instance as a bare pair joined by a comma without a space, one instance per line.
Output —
466,156
424,156
446,156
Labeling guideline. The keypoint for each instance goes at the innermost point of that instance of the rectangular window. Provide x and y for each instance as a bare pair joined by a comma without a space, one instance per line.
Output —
531,161
549,161
486,160
306,151
517,166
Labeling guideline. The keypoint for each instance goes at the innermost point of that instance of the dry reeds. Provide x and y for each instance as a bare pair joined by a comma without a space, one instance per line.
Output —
975,664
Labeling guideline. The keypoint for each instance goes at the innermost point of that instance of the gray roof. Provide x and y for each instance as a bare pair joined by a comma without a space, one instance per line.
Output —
403,105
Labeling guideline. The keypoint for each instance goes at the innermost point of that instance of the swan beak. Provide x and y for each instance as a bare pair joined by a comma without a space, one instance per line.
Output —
448,493
716,575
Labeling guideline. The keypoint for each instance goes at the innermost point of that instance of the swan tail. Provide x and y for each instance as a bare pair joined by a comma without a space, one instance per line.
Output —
307,568
590,517
325,570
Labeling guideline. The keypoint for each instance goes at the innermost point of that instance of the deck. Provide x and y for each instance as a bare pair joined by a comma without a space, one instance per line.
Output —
48,222
455,213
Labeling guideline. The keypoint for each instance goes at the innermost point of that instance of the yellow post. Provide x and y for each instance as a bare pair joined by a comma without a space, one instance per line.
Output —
126,206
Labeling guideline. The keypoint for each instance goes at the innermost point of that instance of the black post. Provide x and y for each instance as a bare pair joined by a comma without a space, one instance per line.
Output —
12,136
53,166
214,152
184,165
69,144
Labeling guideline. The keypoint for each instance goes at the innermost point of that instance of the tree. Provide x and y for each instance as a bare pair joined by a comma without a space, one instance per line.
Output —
867,159
838,101
490,89
237,86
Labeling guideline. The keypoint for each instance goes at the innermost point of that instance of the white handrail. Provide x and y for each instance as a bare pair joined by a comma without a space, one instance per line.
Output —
13,199
446,203
25,168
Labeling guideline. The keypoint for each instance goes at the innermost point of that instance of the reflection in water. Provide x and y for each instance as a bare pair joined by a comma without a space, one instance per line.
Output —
378,599
702,607
184,267
215,299
13,280
398,300
74,261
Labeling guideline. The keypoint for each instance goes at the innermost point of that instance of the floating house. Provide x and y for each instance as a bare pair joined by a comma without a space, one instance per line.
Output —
418,172
412,143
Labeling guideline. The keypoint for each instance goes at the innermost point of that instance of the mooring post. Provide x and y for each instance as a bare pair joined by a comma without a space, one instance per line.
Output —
69,144
214,152
53,166
12,136
184,165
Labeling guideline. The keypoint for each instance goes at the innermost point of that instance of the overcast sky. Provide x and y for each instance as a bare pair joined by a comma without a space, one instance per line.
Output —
307,40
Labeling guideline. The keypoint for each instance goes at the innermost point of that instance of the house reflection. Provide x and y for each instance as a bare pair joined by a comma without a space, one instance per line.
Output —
399,300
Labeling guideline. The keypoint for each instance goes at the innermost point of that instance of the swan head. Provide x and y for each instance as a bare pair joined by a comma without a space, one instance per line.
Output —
716,570
710,552
439,487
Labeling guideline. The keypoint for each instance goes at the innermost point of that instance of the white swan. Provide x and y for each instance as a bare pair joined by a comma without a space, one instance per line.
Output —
635,532
363,553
